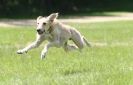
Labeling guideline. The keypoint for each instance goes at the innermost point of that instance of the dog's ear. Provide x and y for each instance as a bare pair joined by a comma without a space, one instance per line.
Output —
39,17
52,16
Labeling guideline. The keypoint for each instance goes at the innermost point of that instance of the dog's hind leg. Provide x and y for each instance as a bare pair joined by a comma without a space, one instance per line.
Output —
79,42
87,43
69,47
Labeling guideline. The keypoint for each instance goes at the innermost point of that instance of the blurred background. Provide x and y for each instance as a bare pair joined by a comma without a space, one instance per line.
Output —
33,8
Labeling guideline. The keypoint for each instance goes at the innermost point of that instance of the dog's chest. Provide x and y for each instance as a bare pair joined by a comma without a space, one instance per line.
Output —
48,37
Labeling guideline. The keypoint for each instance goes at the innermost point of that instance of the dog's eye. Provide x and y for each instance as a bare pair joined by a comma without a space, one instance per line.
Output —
44,23
37,23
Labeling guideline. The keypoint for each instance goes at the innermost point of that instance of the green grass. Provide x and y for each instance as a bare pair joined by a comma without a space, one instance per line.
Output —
107,65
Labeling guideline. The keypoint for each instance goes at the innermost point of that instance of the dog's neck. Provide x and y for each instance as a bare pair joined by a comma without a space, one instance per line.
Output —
50,29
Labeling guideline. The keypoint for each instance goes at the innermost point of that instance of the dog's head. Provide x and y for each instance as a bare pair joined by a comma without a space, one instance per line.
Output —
44,23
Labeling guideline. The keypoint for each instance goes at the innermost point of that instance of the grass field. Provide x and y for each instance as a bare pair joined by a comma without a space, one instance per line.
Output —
110,64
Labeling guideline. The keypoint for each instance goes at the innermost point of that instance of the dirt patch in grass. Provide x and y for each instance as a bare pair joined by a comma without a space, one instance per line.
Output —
78,19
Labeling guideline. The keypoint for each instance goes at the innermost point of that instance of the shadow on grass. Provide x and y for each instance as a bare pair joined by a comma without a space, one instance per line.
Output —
70,15
77,8
87,13
81,12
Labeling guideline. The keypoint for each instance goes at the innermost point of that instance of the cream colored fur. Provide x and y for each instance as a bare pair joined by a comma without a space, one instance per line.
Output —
58,35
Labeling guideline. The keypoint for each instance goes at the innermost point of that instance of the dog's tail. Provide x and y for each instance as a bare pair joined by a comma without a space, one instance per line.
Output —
87,43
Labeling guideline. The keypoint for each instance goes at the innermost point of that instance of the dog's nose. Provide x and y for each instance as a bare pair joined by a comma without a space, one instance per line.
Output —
38,30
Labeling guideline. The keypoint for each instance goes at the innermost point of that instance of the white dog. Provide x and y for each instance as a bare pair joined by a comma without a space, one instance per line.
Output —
58,34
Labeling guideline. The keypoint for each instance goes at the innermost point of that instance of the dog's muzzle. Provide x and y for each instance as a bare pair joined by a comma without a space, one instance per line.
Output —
39,31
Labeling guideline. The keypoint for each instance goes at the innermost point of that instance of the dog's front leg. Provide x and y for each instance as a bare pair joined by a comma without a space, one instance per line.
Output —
32,45
47,46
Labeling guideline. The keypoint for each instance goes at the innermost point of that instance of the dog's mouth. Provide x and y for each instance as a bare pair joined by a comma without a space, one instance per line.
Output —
40,32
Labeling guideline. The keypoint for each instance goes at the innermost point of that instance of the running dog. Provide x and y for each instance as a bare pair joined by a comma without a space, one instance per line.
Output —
58,35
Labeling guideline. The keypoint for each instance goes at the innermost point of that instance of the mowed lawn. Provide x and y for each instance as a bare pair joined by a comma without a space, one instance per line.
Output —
110,62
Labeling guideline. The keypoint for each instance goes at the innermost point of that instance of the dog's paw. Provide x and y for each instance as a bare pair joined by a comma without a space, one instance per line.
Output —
43,56
21,52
